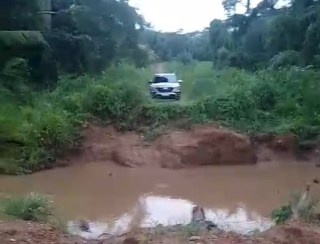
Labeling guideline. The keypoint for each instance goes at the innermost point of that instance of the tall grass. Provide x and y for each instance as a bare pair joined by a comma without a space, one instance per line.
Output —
32,207
267,101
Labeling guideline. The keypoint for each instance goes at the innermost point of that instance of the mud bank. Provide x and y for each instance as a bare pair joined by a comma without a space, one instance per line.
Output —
175,149
25,232
201,145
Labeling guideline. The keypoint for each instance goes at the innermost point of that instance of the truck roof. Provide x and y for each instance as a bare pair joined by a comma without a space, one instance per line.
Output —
164,74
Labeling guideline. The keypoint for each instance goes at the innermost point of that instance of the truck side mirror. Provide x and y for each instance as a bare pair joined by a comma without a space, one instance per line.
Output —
180,81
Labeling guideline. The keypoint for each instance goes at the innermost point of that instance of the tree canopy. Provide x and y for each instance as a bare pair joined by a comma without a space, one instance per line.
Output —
86,36
83,35
255,38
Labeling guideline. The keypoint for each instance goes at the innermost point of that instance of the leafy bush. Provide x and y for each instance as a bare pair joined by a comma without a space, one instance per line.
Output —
32,207
285,59
114,102
46,132
264,96
33,136
282,214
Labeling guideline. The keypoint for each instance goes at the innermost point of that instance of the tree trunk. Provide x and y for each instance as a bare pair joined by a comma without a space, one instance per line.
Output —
45,7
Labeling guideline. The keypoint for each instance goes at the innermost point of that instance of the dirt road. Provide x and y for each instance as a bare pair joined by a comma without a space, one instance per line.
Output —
159,68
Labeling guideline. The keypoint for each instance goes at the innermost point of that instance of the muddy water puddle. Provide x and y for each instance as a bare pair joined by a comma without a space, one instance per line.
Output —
238,198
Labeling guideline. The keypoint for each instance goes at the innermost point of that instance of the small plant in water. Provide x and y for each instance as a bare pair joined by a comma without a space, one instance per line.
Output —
282,214
32,207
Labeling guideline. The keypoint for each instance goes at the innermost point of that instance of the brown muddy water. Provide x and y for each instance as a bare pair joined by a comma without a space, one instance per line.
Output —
238,198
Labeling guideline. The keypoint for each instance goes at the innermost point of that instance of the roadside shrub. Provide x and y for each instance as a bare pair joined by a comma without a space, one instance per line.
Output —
32,137
264,96
231,107
202,88
10,140
32,207
285,59
46,131
118,103
163,113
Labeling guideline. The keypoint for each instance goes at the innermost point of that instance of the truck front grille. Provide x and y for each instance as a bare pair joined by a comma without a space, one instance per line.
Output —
164,89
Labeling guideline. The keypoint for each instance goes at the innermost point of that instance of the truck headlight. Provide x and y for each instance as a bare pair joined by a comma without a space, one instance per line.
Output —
177,89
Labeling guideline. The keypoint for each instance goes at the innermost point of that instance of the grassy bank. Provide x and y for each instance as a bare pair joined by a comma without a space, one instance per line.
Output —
279,101
37,128
32,207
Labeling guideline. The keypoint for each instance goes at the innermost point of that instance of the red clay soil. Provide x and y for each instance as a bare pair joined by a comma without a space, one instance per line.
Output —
28,233
279,143
201,145
291,233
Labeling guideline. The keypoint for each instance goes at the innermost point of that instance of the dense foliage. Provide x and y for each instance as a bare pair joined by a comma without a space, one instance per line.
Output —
266,35
40,40
81,36
178,46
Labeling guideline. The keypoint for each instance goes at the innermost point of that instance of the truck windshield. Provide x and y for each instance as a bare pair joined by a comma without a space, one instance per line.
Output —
164,79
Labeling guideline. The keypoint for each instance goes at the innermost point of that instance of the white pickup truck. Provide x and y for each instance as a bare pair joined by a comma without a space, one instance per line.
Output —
165,85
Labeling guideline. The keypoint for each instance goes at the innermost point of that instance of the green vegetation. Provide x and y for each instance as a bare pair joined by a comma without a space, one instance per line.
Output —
282,214
306,211
43,104
268,34
32,207
267,101
253,72
276,101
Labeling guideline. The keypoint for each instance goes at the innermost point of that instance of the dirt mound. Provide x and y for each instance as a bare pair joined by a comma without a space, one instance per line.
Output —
292,233
25,232
276,147
201,145
204,145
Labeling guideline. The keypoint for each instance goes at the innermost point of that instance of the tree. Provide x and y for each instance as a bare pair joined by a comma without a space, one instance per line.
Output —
267,32
19,15
284,33
219,39
231,5
88,35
